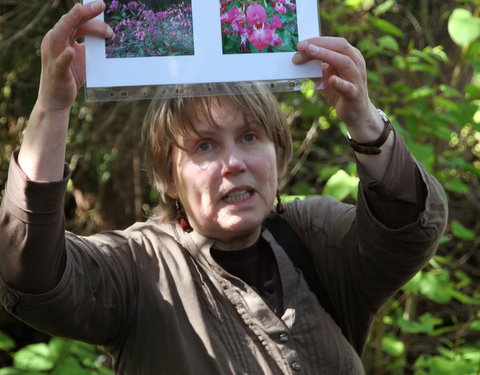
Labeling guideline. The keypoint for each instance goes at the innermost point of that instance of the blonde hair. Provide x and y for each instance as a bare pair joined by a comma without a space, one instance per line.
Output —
167,118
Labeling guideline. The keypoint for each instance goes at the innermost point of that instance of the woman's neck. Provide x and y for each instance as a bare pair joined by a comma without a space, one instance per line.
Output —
239,241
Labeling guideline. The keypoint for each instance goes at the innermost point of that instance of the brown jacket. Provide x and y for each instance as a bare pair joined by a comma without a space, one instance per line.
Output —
153,295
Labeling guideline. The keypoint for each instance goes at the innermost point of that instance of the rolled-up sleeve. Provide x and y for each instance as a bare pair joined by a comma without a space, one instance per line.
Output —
56,281
32,231
401,190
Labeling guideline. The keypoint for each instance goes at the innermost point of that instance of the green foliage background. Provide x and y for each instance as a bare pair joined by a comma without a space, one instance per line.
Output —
424,71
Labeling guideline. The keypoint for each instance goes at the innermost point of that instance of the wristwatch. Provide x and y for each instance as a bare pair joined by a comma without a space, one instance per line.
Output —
373,148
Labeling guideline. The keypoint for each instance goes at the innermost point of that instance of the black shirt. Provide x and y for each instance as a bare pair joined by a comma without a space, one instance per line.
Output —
256,266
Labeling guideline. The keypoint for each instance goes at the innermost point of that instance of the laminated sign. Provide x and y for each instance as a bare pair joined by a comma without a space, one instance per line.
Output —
163,48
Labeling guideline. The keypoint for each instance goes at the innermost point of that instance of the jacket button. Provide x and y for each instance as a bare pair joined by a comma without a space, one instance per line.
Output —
11,298
296,366
284,337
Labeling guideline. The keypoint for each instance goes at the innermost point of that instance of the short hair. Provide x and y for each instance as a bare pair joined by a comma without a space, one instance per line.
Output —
168,118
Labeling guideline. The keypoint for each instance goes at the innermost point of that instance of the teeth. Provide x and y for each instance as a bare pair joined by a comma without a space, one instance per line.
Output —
237,196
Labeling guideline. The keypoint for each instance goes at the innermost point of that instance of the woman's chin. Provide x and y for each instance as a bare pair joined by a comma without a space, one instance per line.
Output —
243,222
227,223
233,227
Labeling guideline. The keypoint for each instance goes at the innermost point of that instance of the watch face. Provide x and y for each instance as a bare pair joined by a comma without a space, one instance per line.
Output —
383,115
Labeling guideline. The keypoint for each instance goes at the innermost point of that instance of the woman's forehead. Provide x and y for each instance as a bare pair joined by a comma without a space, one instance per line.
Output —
217,106
222,107
217,112
197,116
205,128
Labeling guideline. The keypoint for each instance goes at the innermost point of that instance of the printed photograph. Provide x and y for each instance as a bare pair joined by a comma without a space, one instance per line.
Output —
198,47
258,26
149,28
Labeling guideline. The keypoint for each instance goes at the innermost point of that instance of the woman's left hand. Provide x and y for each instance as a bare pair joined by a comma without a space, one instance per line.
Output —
344,83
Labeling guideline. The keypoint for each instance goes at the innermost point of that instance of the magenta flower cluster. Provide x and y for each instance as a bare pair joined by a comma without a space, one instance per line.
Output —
270,27
139,31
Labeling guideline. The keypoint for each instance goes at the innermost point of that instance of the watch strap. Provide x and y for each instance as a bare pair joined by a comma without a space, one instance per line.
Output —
373,148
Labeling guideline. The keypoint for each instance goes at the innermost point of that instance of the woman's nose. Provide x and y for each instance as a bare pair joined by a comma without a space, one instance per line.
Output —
233,161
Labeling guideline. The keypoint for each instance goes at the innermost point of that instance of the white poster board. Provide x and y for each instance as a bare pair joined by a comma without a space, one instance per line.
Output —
212,22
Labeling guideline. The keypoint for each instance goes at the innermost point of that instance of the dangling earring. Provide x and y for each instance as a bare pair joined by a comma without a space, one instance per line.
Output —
280,207
182,218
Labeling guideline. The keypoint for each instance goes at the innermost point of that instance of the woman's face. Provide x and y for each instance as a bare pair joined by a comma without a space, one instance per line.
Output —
226,176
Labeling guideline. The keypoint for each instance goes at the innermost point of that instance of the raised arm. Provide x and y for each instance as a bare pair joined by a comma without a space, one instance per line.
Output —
31,213
344,86
42,154
373,249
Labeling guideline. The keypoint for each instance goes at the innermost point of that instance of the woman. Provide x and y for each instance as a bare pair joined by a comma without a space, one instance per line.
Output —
204,288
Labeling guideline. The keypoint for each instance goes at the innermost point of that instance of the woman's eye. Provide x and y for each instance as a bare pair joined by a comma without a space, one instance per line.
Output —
250,138
205,146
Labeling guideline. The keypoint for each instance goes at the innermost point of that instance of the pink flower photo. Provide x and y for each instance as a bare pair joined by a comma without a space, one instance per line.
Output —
149,28
258,26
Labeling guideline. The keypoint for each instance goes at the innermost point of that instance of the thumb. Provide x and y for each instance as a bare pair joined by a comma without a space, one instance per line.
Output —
63,62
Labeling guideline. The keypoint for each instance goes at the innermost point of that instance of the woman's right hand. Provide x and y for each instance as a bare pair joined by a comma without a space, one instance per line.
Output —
42,153
63,58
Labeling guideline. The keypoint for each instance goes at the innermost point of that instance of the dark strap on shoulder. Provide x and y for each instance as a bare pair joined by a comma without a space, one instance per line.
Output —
300,257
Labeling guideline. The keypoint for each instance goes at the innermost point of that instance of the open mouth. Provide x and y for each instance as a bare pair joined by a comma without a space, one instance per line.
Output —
238,195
